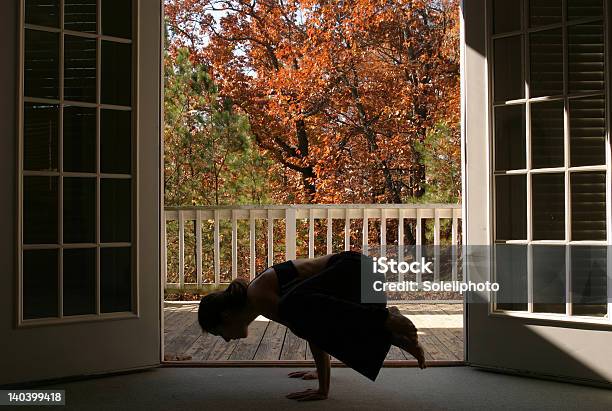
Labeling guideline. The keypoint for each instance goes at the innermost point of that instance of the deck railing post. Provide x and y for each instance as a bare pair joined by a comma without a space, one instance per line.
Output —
436,245
165,252
365,237
290,216
419,241
329,231
198,228
234,245
454,245
181,249
400,240
252,250
347,229
270,238
310,233
383,232
216,248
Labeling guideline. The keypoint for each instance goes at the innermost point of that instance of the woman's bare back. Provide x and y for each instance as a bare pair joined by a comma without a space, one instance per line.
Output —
263,290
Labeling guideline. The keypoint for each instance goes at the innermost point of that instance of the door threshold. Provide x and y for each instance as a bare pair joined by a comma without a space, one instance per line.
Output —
300,363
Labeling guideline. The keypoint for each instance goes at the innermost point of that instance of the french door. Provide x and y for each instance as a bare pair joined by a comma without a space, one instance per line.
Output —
537,185
86,296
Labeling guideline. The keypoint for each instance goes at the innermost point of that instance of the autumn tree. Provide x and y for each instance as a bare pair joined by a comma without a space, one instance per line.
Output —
339,93
210,157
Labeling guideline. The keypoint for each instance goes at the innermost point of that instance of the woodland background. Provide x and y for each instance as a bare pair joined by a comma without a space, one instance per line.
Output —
308,101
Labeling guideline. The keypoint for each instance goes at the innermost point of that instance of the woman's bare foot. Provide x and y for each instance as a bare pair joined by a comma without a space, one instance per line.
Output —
411,347
405,335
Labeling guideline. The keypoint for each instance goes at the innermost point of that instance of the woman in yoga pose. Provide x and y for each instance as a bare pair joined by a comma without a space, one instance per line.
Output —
319,300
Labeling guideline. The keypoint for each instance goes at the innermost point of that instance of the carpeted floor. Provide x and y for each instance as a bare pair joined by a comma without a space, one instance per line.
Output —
450,388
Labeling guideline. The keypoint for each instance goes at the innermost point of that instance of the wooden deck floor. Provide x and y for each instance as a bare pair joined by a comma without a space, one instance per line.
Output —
440,332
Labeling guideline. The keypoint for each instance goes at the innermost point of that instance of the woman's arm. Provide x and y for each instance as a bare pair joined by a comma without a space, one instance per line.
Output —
323,367
324,374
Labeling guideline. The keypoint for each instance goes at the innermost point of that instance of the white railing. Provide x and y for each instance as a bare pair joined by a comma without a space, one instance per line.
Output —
291,214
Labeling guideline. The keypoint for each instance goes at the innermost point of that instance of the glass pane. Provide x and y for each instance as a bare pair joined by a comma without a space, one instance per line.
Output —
548,278
588,206
42,12
116,73
79,281
587,131
546,61
508,69
543,12
115,279
40,130
586,57
578,9
506,16
80,15
547,134
41,64
115,210
548,206
511,207
116,141
79,69
80,139
509,137
589,282
40,205
117,18
511,275
79,210
40,284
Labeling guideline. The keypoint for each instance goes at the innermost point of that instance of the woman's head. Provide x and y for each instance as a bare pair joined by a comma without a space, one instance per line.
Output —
221,313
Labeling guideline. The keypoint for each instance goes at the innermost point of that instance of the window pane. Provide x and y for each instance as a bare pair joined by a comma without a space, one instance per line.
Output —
40,205
506,16
79,281
79,210
547,134
116,73
586,57
588,206
509,137
117,18
40,284
546,61
79,69
115,210
548,278
548,206
40,130
589,282
587,131
80,139
578,9
41,64
508,69
511,207
80,15
116,141
42,12
115,279
511,275
543,12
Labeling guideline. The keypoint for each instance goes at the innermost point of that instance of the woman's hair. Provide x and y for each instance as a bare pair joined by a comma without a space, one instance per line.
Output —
213,304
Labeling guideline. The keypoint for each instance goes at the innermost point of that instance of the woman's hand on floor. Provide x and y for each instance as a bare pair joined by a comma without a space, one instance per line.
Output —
307,395
305,375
